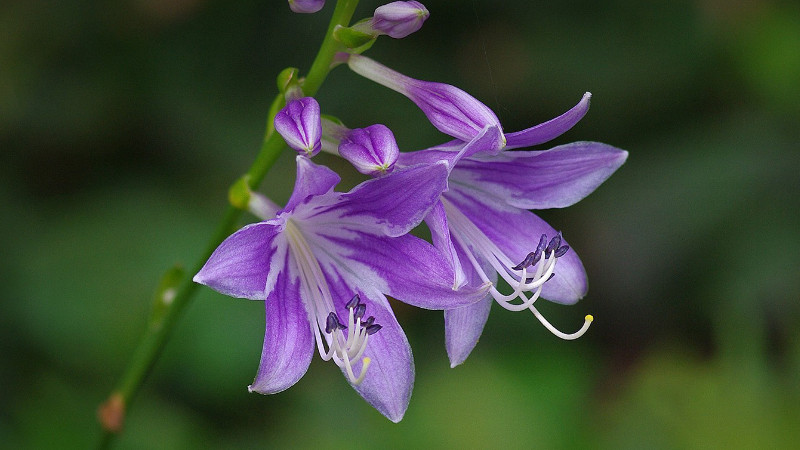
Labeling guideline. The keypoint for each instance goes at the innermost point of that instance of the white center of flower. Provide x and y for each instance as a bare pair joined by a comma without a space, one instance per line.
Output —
344,349
526,278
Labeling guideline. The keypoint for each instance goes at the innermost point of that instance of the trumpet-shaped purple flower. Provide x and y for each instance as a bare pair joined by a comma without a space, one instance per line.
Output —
299,124
324,264
306,6
483,225
449,109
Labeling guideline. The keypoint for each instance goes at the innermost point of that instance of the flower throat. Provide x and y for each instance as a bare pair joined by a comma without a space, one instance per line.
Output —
345,344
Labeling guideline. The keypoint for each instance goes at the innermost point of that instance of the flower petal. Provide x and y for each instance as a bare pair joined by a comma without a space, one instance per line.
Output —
288,342
551,129
390,376
447,152
553,178
489,140
393,204
239,266
406,268
436,220
516,232
312,180
463,327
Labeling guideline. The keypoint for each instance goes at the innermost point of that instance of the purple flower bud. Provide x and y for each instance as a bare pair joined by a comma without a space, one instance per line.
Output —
451,110
306,6
300,125
399,19
371,150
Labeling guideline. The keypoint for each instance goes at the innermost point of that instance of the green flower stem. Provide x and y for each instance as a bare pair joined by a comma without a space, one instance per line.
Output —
161,324
322,63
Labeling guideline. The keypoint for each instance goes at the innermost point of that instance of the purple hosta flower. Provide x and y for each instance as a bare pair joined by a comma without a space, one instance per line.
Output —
399,19
300,125
306,6
371,150
483,224
324,264
451,110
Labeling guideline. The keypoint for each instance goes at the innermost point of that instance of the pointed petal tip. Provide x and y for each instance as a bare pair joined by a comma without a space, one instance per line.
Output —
272,386
201,279
586,99
616,157
396,418
547,131
254,389
457,357
456,362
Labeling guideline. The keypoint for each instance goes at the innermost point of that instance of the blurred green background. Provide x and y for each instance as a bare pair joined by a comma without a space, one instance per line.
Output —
122,124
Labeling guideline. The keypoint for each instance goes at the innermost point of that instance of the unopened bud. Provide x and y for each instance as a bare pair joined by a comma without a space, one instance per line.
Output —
300,125
371,150
306,6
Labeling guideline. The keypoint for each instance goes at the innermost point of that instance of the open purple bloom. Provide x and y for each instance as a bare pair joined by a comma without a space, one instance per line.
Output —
483,225
324,265
306,6
449,109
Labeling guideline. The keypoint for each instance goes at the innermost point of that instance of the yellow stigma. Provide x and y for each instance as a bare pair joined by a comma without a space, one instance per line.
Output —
589,318
365,362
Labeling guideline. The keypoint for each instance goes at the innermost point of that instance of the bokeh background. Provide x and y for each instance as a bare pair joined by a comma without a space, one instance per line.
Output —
122,124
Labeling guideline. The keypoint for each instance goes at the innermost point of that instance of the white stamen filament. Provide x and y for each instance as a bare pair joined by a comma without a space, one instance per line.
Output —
473,241
343,350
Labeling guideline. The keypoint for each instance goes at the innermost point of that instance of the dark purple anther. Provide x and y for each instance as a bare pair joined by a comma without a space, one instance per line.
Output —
542,244
372,329
353,302
536,258
370,320
360,310
562,251
332,323
553,245
527,262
